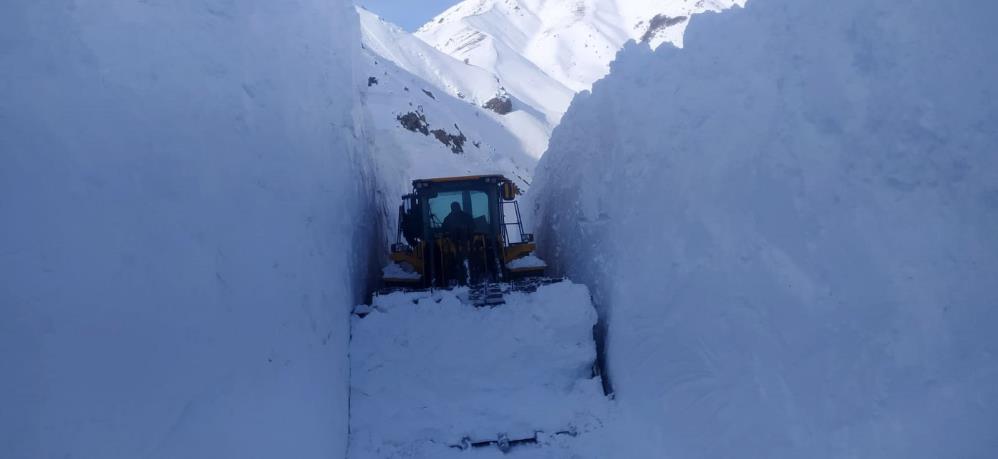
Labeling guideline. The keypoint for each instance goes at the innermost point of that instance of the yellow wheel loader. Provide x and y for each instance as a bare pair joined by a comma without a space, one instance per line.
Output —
461,231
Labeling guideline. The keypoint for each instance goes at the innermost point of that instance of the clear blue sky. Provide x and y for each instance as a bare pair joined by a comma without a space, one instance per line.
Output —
410,14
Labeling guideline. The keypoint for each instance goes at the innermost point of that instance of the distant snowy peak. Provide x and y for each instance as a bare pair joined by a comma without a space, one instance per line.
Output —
422,60
571,41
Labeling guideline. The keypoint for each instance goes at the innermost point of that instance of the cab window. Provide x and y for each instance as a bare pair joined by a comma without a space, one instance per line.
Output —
475,203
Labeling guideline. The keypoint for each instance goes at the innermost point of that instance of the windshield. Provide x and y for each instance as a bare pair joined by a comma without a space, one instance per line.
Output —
474,203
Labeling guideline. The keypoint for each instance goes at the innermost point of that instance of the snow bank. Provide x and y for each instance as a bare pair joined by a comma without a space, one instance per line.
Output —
791,226
179,247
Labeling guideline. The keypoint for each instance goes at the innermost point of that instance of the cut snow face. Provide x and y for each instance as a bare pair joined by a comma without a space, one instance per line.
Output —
791,227
432,376
180,183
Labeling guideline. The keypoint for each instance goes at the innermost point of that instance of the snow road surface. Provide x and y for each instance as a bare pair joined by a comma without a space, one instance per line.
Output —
429,371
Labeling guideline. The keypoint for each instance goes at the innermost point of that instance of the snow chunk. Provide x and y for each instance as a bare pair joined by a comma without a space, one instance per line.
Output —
527,262
401,271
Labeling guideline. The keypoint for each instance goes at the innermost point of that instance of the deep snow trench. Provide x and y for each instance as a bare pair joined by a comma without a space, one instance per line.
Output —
789,228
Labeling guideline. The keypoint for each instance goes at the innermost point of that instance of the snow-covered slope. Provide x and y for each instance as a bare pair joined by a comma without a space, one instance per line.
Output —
415,56
417,75
529,43
790,226
180,192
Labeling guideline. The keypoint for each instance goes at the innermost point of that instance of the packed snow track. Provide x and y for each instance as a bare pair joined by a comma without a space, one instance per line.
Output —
433,377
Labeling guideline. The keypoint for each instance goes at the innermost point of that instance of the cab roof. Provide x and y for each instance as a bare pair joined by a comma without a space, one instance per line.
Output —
466,178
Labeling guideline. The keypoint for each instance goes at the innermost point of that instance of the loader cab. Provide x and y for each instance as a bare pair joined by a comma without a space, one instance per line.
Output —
427,254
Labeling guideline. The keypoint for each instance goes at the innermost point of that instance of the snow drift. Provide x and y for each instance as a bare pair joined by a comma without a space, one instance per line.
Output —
180,193
791,226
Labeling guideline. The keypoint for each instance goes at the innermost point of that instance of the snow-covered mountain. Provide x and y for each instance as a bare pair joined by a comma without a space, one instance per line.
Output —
482,87
569,41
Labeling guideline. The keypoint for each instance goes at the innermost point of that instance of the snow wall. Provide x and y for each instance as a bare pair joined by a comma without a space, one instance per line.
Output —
183,210
791,226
